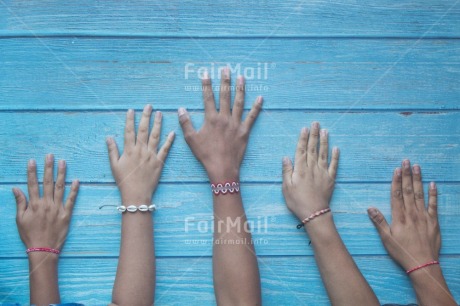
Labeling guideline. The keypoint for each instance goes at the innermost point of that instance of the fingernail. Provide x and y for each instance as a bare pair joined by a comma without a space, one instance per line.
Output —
406,163
158,115
315,125
171,134
398,171
226,72
32,162
304,130
15,192
148,108
433,185
75,183
61,163
285,160
335,150
109,140
205,75
130,111
181,111
372,212
260,100
323,132
240,80
416,169
49,158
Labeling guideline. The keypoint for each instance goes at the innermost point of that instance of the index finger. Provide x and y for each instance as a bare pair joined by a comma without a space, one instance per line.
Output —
70,202
253,113
397,203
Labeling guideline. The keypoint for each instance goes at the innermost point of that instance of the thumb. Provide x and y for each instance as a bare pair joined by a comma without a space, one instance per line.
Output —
21,201
379,221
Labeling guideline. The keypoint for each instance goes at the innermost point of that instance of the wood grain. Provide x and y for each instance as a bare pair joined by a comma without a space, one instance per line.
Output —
407,18
74,73
381,76
188,281
183,222
372,144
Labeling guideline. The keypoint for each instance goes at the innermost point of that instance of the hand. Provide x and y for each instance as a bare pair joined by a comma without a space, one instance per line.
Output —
44,222
221,142
138,170
308,187
413,238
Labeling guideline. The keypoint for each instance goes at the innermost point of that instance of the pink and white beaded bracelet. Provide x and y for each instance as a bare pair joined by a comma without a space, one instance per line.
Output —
48,250
224,188
313,216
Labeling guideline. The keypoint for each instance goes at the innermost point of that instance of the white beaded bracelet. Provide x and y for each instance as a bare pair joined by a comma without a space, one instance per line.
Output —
134,208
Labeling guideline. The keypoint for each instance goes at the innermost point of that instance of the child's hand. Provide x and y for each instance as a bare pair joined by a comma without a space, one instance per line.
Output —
413,238
308,187
221,142
138,170
44,222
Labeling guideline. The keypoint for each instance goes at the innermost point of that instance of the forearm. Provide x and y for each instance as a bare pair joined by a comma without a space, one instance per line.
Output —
431,288
135,280
43,278
344,282
236,272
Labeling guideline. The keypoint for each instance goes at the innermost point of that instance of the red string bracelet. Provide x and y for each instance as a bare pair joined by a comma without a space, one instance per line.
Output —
48,250
434,262
313,216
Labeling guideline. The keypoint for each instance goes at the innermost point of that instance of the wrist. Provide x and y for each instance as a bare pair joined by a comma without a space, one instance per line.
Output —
224,175
321,229
136,199
46,259
421,258
421,273
321,223
423,278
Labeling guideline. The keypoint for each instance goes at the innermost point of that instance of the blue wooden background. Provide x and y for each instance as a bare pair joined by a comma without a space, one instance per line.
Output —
382,76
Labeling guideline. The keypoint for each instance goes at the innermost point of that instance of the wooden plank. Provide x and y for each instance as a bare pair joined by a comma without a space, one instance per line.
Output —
345,74
372,144
184,220
406,18
188,281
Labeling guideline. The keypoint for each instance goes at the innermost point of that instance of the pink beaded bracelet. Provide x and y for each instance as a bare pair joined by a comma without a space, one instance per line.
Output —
313,216
49,250
434,262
